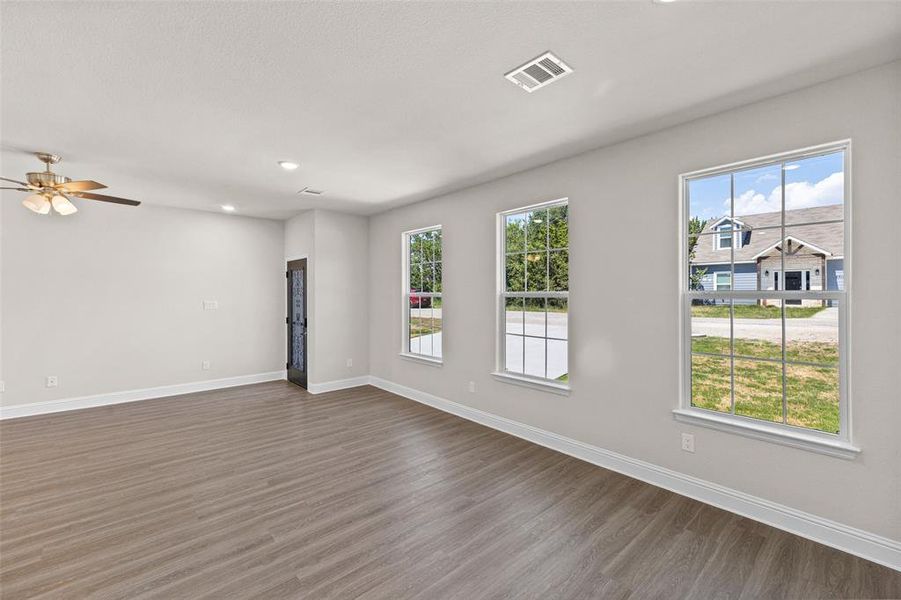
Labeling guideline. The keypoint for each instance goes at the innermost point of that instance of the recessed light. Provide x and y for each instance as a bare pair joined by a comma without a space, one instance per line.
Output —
228,208
288,165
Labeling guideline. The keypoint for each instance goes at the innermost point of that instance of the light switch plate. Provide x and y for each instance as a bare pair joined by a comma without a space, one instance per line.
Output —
210,304
52,381
205,365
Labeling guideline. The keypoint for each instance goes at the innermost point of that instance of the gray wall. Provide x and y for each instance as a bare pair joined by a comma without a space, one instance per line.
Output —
110,299
624,322
335,245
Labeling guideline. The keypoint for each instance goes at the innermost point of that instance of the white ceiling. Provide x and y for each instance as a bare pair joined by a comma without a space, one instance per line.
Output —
191,104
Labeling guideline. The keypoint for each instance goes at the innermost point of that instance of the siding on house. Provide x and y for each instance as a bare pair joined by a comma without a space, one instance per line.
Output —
835,274
744,278
835,277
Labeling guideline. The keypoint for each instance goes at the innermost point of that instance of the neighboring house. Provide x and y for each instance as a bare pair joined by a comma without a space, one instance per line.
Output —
814,254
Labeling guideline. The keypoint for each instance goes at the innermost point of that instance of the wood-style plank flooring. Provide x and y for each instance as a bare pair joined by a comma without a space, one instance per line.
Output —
265,491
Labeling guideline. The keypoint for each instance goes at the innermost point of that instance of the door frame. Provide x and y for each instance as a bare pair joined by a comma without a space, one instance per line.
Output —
289,262
804,284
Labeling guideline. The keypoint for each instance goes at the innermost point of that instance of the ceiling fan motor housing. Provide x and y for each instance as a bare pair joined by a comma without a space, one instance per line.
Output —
46,179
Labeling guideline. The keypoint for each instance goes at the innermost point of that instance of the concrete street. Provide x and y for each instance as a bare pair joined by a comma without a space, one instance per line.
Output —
822,327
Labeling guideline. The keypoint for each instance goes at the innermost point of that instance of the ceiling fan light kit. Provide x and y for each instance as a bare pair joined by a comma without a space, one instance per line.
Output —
62,205
37,203
47,189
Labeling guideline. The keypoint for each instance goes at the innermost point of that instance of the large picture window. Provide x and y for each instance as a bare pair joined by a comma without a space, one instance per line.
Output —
534,293
423,304
765,320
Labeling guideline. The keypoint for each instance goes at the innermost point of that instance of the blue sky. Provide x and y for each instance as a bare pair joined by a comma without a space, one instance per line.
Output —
815,181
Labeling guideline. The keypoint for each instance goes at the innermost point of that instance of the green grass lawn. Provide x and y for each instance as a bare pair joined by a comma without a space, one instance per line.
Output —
811,392
754,311
825,353
424,326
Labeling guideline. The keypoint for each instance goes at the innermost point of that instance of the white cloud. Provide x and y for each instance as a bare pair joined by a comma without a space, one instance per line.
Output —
801,194
753,202
823,193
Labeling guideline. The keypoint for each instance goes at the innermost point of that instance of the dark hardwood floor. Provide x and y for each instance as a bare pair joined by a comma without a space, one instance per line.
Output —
265,491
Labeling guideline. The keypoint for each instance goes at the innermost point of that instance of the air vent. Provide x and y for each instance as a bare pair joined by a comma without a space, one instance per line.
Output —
310,191
539,72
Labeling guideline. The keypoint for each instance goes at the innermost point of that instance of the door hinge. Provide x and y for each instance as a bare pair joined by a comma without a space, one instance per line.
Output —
287,274
287,320
287,365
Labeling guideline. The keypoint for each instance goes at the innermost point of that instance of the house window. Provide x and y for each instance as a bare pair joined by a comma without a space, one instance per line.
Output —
422,302
764,351
533,330
723,281
725,238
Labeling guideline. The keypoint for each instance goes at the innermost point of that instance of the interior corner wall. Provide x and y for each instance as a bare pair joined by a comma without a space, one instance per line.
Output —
335,245
624,298
110,299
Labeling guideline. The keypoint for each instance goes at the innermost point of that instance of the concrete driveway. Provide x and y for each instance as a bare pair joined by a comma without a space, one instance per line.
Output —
430,345
533,323
530,323
822,327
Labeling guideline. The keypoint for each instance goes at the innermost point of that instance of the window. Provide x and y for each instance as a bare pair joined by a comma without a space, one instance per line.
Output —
422,302
725,239
723,281
764,351
533,303
731,234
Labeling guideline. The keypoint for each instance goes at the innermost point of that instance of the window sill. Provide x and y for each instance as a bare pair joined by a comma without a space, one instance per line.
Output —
768,433
432,362
537,384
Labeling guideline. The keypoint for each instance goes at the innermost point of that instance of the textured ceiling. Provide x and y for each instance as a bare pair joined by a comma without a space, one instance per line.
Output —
191,104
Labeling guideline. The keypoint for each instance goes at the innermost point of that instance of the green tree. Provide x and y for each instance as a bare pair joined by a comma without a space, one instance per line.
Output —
425,261
695,275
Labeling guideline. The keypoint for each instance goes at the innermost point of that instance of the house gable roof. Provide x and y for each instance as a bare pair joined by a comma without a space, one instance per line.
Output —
791,238
823,238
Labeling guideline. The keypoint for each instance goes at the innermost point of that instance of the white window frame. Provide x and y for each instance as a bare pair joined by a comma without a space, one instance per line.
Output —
839,445
735,231
500,371
405,295
716,280
722,233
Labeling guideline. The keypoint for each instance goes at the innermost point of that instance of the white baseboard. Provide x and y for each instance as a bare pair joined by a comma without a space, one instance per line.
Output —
52,406
338,384
861,543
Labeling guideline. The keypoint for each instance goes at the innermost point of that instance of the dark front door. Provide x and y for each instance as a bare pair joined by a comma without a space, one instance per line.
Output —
297,322
793,280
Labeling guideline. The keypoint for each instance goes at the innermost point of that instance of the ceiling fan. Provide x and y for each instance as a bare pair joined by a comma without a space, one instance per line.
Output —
49,189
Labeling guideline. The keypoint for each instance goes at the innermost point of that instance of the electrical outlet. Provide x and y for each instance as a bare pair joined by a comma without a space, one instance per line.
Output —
472,387
688,442
210,304
350,363
205,365
52,381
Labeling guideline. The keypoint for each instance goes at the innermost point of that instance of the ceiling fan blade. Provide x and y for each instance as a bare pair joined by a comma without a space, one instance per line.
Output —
80,186
103,198
14,181
17,189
